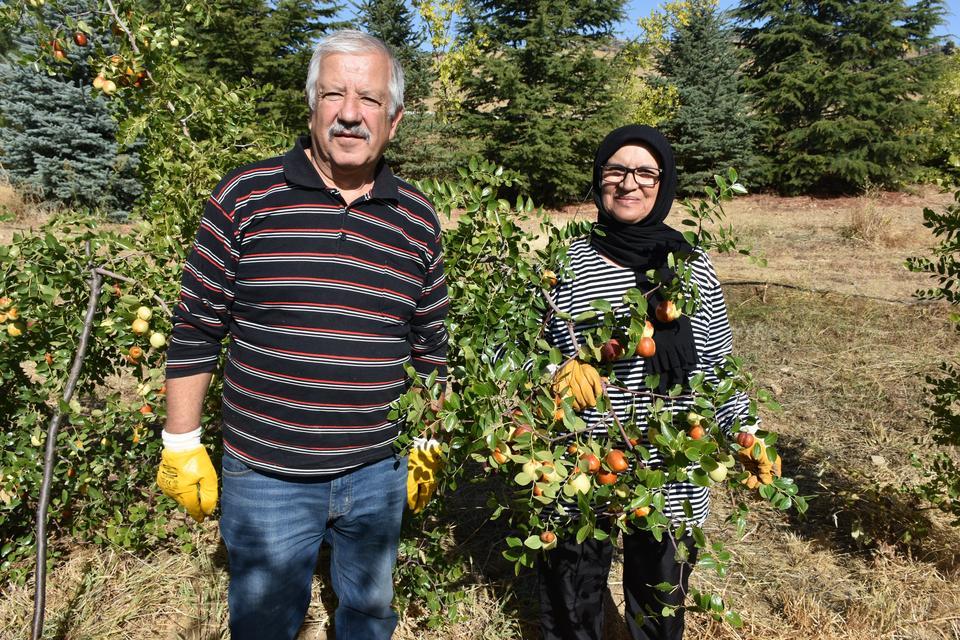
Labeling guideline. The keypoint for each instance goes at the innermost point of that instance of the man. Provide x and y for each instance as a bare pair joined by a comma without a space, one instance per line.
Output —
326,273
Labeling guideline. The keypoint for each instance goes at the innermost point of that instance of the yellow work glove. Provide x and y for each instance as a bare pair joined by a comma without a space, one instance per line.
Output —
760,468
579,381
189,478
425,460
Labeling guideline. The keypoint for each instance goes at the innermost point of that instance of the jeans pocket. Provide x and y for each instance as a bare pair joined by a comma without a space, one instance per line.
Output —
232,467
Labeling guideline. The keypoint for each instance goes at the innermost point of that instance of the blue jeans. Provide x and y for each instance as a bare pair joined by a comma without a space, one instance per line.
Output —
273,526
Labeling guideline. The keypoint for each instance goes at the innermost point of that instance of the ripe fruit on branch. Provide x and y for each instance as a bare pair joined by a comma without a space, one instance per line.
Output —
719,474
667,311
647,329
144,313
98,84
140,326
109,87
548,539
641,512
593,462
135,354
13,313
15,329
48,359
616,461
646,348
606,477
696,432
57,45
530,467
80,38
549,278
580,482
157,340
745,439
499,455
146,410
611,350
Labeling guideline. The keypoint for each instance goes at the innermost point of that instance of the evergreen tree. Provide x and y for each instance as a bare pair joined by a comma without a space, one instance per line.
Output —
546,90
57,138
262,42
710,130
61,142
838,89
415,150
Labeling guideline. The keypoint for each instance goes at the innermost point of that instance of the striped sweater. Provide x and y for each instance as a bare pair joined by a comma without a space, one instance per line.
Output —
323,303
594,279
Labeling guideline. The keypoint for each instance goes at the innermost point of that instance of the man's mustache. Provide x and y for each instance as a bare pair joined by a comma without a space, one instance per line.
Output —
337,129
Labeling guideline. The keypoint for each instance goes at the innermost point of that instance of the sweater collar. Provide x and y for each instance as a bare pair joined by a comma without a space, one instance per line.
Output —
298,170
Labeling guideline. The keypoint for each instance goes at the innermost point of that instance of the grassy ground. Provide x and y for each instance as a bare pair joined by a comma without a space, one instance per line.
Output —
845,354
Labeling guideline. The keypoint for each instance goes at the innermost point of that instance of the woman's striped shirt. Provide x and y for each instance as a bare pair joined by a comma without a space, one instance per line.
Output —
594,278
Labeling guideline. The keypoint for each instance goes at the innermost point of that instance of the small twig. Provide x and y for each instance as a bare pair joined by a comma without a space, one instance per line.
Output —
650,394
112,274
49,457
123,27
573,336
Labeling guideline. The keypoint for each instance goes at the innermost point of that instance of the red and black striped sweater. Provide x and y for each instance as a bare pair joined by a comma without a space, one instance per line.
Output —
323,303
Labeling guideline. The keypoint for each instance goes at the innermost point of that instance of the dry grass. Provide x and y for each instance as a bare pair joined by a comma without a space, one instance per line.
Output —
864,564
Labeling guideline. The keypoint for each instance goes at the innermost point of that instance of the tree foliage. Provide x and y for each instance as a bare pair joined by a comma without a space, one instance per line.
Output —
710,129
60,142
265,43
942,471
942,131
58,138
545,88
838,88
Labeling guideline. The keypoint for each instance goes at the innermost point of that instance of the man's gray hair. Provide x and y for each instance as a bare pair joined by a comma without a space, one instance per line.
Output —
352,41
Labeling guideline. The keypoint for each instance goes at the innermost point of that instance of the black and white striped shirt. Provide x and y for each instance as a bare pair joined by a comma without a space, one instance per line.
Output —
323,302
597,279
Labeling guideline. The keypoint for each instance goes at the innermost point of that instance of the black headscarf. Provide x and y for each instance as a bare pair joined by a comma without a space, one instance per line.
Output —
644,245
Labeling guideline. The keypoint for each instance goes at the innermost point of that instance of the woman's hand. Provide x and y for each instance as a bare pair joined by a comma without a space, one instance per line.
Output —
579,381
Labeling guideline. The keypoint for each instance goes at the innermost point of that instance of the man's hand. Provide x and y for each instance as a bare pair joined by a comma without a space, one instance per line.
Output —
580,381
760,468
189,478
426,459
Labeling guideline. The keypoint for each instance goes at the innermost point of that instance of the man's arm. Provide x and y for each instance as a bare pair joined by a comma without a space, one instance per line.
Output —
185,402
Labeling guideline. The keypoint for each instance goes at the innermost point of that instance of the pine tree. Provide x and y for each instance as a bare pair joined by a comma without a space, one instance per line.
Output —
61,142
838,89
57,138
417,146
710,130
546,90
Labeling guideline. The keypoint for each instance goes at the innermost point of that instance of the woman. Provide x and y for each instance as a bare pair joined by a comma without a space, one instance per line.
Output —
634,183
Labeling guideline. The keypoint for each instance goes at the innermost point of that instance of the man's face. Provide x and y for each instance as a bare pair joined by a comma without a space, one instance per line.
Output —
351,125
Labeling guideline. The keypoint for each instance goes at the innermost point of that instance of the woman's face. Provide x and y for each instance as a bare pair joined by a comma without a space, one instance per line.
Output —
625,199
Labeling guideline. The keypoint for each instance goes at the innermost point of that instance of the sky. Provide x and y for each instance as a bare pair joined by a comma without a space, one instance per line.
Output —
642,8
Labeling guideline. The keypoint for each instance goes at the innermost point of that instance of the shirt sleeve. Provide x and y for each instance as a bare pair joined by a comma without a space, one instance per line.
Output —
718,344
201,318
428,334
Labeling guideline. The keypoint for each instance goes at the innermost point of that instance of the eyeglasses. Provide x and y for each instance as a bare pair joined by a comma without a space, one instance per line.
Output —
644,176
